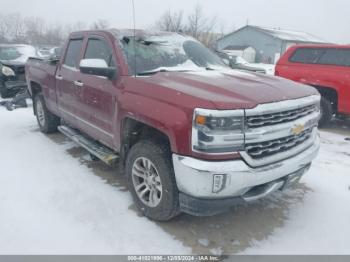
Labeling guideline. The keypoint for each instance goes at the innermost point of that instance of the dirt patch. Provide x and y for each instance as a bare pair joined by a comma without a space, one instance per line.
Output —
232,232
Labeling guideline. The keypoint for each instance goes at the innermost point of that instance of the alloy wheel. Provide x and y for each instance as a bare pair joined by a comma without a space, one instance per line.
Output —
40,112
147,182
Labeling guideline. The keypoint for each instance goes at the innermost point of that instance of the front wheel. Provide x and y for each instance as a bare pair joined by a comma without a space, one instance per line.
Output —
47,121
151,180
326,112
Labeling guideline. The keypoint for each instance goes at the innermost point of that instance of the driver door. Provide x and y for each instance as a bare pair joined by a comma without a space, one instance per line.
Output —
98,95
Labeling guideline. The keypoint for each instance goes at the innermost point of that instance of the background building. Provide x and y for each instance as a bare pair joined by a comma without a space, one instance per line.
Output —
247,52
269,44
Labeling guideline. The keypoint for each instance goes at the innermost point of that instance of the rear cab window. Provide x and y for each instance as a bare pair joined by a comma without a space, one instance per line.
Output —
321,56
338,57
306,55
71,59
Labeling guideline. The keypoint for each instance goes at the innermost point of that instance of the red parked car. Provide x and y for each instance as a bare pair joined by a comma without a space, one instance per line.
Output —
325,67
192,134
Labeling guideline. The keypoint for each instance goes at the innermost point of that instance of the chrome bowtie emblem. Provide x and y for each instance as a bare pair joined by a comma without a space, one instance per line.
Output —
297,129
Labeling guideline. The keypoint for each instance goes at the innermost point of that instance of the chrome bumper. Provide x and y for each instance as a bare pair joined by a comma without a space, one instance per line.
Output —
195,177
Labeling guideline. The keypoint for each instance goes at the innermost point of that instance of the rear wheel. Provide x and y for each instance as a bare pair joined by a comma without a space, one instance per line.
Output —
326,112
151,180
47,121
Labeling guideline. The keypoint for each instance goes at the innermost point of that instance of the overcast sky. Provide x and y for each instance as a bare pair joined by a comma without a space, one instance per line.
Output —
328,19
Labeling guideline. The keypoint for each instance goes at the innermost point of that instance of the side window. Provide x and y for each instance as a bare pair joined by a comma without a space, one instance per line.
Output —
99,49
306,55
339,57
73,52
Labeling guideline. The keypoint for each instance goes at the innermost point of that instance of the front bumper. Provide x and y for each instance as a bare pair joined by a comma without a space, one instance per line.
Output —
11,87
195,180
16,84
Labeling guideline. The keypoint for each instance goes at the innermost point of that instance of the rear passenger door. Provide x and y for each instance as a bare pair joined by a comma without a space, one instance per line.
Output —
97,100
303,66
66,74
334,70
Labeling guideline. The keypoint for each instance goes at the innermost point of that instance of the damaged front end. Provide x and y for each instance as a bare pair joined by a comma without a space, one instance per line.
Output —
12,79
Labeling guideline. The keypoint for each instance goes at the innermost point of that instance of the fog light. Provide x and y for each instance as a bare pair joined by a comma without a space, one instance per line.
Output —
219,182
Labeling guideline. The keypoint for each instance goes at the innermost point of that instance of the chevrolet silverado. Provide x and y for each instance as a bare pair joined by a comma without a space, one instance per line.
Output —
190,134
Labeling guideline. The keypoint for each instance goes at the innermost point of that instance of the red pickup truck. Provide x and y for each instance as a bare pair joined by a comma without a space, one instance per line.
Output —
191,134
325,67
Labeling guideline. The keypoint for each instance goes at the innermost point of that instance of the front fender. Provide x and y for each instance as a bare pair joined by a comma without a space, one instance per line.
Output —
174,122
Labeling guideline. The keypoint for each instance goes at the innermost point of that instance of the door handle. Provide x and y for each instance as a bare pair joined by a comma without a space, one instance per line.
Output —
59,77
78,83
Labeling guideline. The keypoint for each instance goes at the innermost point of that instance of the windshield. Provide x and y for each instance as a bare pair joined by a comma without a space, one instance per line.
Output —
168,53
16,53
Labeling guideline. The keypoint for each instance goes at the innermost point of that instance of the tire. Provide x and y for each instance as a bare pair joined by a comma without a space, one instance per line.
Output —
326,112
47,121
165,202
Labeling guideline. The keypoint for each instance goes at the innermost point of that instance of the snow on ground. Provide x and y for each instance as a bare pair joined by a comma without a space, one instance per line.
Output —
51,204
321,223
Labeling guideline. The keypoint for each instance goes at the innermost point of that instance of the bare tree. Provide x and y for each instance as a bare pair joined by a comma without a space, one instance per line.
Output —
35,30
171,21
78,26
55,35
196,22
197,25
100,24
3,29
202,28
18,28
12,27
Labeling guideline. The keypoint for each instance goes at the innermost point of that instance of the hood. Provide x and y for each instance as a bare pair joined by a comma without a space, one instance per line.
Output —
229,89
14,63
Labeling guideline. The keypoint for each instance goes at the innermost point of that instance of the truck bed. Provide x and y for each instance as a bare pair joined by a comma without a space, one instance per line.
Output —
47,65
42,72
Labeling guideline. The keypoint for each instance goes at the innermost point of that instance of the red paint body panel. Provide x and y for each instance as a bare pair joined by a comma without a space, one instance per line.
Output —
328,76
165,101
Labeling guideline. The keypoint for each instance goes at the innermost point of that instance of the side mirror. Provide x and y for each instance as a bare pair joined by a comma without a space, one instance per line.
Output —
97,67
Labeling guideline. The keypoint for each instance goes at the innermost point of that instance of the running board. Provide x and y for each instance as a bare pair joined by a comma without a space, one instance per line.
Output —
93,147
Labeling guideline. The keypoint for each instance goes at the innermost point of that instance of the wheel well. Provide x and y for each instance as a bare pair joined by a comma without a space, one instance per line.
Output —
330,94
134,131
35,88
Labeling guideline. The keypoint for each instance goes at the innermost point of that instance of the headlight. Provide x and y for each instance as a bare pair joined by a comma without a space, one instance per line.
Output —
218,132
7,71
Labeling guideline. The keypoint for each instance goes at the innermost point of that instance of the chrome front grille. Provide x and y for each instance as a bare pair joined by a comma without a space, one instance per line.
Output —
280,117
279,130
269,148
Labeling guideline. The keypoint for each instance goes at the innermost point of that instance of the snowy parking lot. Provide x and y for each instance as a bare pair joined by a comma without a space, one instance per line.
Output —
55,200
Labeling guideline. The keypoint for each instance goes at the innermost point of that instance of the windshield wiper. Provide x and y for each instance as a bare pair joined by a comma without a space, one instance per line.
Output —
153,72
